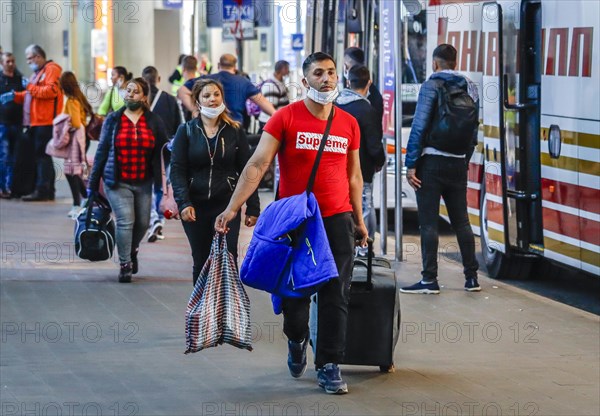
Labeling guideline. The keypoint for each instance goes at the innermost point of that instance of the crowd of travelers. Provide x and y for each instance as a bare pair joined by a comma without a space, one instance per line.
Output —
200,129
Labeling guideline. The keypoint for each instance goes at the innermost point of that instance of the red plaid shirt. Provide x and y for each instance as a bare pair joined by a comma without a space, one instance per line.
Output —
134,144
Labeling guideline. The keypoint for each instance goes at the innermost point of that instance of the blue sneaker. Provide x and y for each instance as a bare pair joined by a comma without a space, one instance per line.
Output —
297,357
421,287
330,378
472,285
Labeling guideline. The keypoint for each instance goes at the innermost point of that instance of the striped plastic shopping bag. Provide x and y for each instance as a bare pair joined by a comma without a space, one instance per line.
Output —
219,308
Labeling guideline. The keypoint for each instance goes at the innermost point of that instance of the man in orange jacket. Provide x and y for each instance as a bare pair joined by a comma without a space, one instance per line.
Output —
45,102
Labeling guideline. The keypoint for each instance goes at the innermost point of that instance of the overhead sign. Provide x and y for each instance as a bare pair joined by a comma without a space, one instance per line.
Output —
173,4
238,19
297,41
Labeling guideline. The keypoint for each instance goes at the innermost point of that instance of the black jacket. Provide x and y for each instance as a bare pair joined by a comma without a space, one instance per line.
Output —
376,101
372,154
168,110
105,161
11,113
197,178
425,112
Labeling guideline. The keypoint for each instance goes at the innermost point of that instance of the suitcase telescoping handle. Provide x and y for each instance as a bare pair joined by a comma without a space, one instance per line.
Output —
369,263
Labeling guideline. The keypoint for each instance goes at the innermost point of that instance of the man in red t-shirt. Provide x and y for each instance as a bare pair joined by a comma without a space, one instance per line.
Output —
294,133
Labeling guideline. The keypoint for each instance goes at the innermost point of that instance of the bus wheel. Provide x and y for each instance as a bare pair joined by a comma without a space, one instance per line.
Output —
498,264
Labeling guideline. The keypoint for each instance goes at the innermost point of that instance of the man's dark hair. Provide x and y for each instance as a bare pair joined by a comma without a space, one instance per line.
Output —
359,76
280,65
189,63
356,54
445,55
150,74
315,57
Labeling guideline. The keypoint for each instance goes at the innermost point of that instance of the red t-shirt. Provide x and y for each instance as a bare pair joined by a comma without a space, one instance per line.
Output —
300,134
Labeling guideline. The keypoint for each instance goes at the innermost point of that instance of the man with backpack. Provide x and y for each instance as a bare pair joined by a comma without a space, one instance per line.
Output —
441,142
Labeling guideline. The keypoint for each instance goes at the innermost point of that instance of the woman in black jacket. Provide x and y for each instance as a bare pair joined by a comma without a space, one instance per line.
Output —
208,155
128,159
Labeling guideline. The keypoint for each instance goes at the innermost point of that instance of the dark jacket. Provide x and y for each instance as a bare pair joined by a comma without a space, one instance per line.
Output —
425,112
372,154
11,113
105,161
168,110
195,178
376,101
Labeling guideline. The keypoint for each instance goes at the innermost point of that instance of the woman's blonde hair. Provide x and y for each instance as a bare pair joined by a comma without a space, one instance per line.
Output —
197,89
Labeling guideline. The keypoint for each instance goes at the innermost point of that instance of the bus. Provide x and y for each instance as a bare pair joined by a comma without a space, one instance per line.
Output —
534,178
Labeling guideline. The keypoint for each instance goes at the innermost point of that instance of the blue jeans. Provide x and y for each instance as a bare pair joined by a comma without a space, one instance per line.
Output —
131,205
155,214
9,134
444,177
368,209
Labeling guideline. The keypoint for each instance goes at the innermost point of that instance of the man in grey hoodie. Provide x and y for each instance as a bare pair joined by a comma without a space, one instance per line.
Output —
372,156
433,172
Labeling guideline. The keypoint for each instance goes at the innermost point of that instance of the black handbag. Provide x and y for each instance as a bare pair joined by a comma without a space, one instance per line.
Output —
95,230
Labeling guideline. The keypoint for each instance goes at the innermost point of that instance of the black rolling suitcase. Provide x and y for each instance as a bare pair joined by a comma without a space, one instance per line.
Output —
373,314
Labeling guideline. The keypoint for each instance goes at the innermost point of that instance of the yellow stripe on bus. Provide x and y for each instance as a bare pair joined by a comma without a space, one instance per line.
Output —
568,137
572,164
578,139
574,252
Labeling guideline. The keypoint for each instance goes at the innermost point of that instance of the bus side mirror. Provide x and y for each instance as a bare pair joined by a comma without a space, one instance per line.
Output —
554,141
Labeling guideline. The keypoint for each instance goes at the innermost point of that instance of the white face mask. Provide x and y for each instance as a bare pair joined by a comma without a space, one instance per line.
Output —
211,112
324,97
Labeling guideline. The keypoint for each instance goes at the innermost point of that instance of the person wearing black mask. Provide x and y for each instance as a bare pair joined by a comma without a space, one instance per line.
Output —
128,159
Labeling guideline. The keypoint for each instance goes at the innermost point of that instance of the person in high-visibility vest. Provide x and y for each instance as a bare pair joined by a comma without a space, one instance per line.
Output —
176,77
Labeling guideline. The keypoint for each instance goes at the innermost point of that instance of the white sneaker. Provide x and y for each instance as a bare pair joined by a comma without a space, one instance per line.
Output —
155,230
74,213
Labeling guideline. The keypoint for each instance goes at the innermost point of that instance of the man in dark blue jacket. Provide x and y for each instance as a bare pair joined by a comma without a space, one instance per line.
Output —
372,156
434,173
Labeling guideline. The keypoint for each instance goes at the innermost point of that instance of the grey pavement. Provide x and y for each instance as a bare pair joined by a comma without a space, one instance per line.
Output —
76,342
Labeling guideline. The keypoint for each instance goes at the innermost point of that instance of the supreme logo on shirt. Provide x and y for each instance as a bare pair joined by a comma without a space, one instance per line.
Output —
312,141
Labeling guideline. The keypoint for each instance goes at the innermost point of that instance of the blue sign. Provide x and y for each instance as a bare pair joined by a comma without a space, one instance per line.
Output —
231,10
297,41
173,4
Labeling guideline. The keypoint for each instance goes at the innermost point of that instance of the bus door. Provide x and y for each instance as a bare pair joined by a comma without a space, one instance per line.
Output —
511,114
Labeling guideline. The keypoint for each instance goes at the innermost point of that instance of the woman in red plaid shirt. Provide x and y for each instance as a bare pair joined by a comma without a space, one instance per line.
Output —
128,159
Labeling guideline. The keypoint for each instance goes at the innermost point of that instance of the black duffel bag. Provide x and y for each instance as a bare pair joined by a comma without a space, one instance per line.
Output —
95,230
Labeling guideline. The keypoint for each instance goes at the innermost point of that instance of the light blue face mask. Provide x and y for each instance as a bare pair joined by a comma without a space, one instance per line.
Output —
34,67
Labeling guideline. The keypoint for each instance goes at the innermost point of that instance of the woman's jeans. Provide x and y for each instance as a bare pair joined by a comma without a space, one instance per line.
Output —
200,233
333,297
131,204
444,177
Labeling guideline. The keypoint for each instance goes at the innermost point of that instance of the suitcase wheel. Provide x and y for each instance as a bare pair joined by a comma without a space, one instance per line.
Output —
387,368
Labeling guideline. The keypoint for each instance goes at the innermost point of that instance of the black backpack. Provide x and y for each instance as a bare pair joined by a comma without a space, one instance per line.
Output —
95,231
456,118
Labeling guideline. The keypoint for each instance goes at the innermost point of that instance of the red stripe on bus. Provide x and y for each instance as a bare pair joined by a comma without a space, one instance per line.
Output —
569,225
473,198
494,212
475,172
493,184
574,196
